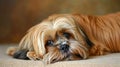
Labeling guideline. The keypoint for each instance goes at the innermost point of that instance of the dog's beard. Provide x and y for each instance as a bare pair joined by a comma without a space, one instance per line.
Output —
75,51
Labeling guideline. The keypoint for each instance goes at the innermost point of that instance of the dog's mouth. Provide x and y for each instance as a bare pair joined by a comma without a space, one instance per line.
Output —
67,56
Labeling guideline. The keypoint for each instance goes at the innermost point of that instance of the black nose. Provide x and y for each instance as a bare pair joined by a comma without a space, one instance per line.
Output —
64,48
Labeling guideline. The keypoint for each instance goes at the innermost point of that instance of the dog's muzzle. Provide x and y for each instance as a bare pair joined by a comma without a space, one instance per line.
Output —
64,47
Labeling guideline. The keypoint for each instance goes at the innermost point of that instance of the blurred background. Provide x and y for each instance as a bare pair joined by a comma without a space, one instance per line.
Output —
17,16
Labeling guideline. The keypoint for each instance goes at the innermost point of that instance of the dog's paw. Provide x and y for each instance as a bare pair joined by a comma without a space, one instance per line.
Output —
32,55
50,58
47,59
99,50
11,50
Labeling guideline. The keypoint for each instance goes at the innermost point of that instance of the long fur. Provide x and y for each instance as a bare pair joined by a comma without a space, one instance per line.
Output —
91,35
103,31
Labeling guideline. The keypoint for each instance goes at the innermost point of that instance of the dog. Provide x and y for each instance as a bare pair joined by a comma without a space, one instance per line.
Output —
66,37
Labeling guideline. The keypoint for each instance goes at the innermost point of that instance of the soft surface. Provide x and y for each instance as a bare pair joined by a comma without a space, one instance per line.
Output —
110,60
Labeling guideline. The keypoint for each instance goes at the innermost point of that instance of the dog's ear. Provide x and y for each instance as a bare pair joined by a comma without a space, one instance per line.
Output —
81,24
34,41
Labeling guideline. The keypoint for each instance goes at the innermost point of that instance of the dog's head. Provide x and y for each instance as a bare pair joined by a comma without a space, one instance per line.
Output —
57,38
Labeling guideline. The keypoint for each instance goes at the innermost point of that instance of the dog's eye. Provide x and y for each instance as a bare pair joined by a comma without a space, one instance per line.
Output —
49,42
67,35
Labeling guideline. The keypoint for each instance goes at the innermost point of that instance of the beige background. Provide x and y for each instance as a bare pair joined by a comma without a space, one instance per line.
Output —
17,16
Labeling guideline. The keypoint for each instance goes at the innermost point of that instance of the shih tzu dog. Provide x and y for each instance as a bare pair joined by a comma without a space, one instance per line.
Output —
64,37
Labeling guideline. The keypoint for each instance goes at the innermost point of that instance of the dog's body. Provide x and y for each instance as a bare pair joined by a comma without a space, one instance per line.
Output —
70,37
103,31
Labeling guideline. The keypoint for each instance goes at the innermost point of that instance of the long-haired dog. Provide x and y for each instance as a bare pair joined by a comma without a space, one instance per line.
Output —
70,37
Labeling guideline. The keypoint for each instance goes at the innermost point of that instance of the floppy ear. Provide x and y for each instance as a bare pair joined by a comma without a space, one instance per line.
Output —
34,40
83,27
81,35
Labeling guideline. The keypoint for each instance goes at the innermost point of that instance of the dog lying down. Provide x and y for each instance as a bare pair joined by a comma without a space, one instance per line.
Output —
64,37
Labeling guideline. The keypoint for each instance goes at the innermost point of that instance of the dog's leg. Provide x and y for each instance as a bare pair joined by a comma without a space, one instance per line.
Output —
21,54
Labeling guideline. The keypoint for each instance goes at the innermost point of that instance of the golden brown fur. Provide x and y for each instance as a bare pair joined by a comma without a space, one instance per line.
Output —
102,31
